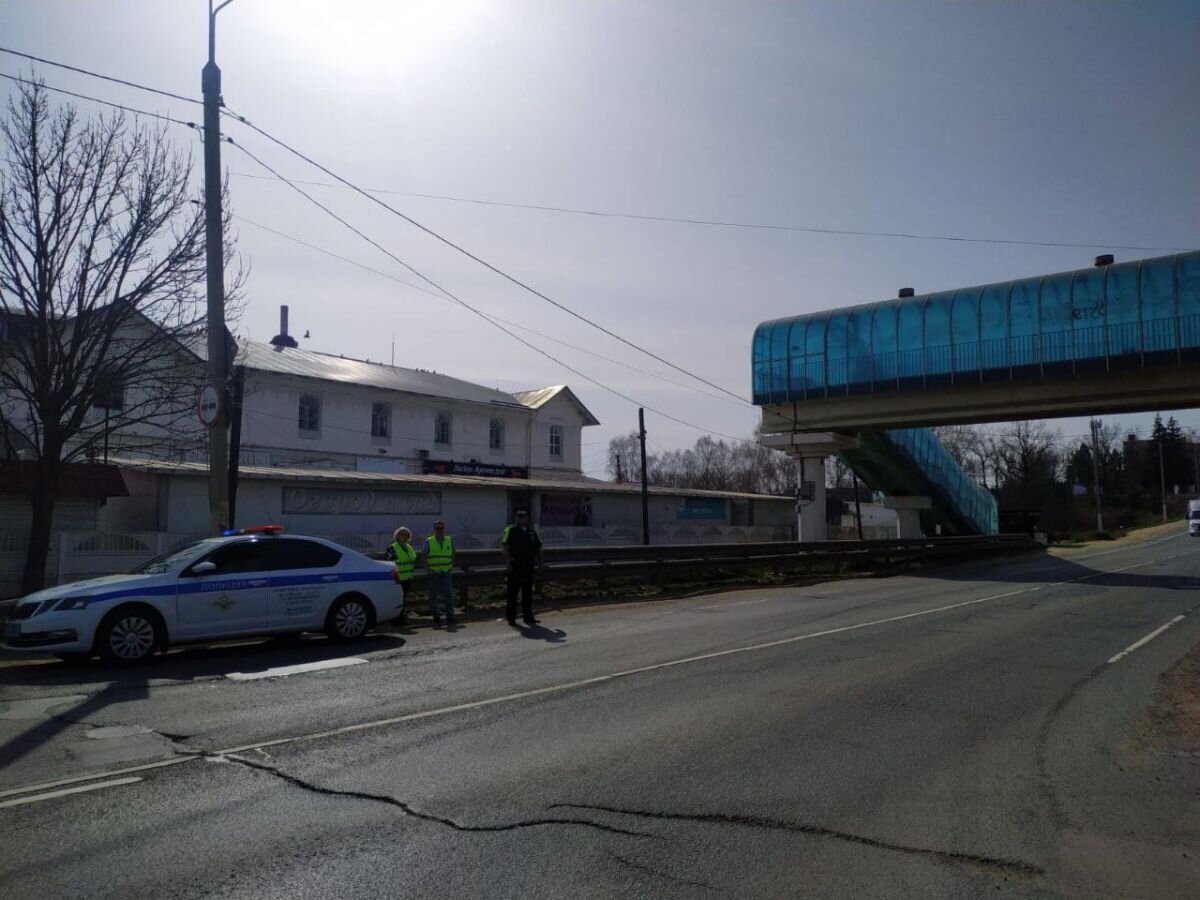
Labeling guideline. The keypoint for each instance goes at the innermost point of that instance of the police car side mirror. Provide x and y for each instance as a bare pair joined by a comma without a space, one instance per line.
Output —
203,568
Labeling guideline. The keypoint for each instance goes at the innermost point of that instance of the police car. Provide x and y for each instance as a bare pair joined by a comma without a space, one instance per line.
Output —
248,582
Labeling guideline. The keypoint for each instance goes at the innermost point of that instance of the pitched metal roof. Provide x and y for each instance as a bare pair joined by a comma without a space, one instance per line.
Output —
261,357
388,479
538,398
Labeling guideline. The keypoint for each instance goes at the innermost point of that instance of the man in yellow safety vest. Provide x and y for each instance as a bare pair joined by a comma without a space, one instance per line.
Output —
404,554
439,560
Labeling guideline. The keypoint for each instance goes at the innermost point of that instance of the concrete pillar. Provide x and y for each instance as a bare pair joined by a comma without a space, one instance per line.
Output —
908,514
810,516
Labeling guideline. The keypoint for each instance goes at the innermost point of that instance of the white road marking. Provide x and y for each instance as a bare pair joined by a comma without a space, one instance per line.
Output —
1147,639
558,688
183,757
284,671
38,798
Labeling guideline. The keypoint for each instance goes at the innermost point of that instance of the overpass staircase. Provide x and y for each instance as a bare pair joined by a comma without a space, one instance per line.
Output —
912,462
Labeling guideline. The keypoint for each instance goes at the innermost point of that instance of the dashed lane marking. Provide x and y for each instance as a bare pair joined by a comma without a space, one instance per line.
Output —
1147,639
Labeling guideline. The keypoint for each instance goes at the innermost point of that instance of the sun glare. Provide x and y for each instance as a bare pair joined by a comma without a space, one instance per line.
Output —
363,36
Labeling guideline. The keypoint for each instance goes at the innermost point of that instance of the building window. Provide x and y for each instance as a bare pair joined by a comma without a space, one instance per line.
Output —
441,429
310,413
381,420
496,435
556,441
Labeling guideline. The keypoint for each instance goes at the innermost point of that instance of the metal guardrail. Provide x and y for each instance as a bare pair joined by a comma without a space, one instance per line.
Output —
478,568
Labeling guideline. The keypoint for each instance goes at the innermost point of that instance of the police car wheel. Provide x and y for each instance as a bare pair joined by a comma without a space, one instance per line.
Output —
129,635
350,618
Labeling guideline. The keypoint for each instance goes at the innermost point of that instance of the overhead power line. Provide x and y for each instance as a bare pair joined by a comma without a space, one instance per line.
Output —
120,106
541,334
450,296
645,217
487,265
728,223
91,74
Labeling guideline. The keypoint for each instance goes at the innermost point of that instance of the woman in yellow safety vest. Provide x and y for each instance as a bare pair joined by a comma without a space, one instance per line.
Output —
404,554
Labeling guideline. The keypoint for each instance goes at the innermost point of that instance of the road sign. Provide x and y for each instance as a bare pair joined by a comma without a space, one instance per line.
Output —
208,405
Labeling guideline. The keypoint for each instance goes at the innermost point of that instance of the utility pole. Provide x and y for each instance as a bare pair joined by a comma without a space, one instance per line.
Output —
1195,465
235,440
1096,472
218,364
1162,476
645,481
857,505
620,474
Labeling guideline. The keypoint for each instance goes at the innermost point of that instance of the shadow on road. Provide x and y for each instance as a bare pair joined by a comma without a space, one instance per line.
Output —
1051,569
29,740
542,633
191,662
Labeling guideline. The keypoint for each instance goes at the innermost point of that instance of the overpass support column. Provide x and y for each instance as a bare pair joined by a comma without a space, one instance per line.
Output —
810,514
810,449
908,514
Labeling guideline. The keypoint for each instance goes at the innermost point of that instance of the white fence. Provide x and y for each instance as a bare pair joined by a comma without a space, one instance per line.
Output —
75,555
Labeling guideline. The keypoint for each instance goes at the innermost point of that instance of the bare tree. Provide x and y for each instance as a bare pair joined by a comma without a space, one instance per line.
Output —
1028,462
709,465
625,458
102,272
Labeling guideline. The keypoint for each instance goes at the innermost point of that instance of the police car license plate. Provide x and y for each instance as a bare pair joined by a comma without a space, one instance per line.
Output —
12,629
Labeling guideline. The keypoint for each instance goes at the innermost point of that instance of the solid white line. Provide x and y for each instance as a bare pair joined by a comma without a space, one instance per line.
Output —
183,757
38,798
284,671
1147,639
566,686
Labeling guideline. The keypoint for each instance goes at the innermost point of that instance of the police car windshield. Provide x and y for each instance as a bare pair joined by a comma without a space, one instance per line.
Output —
169,560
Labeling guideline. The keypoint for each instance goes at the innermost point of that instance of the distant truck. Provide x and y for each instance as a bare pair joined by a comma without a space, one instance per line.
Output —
1194,517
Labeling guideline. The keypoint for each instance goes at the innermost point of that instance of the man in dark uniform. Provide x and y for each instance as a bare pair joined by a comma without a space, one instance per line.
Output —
523,554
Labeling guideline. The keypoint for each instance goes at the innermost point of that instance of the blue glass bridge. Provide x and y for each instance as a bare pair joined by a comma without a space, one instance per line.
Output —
1123,337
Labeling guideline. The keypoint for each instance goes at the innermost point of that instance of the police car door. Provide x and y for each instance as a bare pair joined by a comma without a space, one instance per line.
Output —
304,578
230,597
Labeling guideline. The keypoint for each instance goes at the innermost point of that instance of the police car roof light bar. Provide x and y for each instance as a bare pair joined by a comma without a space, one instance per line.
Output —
254,529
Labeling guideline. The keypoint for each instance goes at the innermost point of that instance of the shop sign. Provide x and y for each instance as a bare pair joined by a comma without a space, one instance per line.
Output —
700,508
485,470
566,511
351,501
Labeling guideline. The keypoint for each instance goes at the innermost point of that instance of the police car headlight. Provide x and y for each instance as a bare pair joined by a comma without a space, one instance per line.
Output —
71,603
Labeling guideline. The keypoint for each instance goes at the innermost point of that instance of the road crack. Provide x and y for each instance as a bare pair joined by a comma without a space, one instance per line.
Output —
411,811
991,864
658,873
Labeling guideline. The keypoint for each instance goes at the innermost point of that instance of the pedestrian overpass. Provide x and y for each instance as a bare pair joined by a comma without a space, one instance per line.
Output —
865,382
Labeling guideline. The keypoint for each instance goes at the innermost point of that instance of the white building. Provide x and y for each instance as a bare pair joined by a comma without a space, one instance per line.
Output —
314,409
350,449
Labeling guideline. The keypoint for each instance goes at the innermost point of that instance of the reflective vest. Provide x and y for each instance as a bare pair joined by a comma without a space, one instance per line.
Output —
406,560
440,555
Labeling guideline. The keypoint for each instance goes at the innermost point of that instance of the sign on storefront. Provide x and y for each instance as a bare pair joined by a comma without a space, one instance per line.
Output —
700,508
486,470
566,511
351,501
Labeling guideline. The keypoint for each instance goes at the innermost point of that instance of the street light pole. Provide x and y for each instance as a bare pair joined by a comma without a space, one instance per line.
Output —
218,364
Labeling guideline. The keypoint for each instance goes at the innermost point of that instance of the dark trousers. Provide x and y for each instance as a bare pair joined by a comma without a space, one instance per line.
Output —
520,580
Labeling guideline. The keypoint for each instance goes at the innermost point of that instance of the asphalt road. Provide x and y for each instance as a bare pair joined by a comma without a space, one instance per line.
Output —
970,732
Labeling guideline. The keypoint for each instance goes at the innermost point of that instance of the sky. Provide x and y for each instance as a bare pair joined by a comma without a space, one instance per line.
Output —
1069,122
